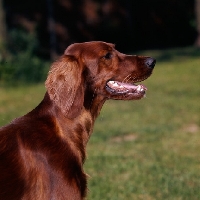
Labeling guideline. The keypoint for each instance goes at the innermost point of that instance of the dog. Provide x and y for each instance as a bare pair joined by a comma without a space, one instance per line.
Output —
42,153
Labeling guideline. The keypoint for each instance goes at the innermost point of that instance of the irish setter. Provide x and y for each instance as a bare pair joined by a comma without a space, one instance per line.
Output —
42,153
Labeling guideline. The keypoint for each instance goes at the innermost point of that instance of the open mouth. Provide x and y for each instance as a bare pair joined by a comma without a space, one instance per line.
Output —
127,89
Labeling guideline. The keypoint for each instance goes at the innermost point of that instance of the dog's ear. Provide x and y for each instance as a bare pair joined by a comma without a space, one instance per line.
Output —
65,85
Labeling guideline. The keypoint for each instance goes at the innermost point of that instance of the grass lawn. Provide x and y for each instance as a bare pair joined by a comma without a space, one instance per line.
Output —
147,149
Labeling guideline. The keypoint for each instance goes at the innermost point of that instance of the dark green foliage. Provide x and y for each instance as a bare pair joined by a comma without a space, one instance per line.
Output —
130,24
22,65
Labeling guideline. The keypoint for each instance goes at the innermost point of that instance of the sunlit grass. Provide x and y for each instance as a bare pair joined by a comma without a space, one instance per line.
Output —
17,101
147,149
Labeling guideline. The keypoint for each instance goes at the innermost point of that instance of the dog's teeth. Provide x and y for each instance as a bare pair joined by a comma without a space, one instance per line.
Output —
139,88
115,84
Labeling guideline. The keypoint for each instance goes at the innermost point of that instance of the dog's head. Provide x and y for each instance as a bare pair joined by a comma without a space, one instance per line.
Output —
99,68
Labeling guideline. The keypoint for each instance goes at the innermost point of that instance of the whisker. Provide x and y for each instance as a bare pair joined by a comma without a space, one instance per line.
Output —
130,78
127,78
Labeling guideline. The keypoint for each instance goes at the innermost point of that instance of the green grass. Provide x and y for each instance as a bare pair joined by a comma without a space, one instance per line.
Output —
17,101
147,149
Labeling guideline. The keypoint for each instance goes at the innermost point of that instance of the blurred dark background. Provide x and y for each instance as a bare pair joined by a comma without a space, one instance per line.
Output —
45,28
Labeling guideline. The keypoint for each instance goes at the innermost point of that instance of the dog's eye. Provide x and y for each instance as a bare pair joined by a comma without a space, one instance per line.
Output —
108,56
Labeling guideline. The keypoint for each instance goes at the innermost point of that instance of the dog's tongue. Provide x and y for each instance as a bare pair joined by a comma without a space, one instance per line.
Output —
116,85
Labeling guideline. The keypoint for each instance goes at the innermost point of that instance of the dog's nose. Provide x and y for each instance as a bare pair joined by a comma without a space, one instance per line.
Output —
150,62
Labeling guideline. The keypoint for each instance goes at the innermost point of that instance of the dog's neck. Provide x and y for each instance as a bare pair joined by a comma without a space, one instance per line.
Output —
93,103
81,129
96,106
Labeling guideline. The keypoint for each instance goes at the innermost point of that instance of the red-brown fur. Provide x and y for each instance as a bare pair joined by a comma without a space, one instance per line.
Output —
42,153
